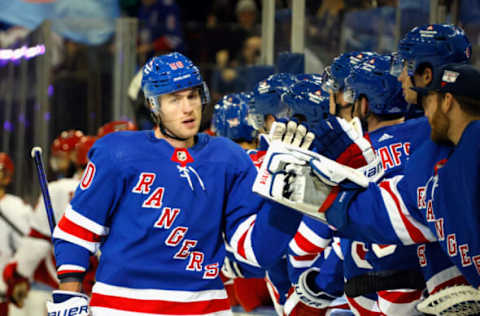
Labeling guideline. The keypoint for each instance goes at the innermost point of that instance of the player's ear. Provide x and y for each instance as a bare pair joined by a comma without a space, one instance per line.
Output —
427,75
447,102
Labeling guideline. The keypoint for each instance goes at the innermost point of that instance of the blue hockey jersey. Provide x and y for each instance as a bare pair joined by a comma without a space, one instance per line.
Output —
422,206
393,145
157,214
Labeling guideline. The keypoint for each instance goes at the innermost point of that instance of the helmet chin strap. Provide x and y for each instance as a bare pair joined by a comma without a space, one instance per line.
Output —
166,132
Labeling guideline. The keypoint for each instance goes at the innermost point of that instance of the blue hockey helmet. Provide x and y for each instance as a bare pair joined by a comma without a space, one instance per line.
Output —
372,78
433,44
267,94
335,74
230,118
310,77
170,73
308,99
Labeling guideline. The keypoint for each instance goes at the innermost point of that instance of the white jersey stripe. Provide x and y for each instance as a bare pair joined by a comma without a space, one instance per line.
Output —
301,263
102,311
425,231
84,222
90,246
164,295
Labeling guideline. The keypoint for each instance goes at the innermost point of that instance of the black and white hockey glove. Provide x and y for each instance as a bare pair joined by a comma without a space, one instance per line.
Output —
291,133
68,303
306,298
302,179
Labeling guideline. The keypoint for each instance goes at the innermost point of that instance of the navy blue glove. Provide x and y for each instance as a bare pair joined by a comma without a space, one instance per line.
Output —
339,140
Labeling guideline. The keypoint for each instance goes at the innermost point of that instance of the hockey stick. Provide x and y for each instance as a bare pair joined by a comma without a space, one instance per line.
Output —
42,179
11,224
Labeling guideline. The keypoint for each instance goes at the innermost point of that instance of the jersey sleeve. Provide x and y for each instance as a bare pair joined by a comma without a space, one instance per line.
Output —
84,224
383,213
253,224
311,239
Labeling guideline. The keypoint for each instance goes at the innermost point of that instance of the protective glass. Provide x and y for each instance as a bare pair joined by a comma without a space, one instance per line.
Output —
349,95
397,64
328,81
255,119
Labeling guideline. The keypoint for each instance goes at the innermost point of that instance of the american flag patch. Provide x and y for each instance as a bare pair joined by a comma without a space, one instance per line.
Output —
450,76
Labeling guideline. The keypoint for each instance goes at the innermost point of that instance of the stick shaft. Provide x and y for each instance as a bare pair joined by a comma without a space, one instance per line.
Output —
42,179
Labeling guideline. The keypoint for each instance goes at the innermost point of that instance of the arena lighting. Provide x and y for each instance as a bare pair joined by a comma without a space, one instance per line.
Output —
22,52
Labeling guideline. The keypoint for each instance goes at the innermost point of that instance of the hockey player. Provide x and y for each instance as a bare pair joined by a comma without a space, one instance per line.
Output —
230,119
115,126
408,209
268,106
333,81
423,48
156,204
62,153
14,214
390,271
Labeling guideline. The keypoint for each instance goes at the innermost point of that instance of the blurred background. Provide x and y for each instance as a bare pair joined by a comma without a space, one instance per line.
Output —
69,64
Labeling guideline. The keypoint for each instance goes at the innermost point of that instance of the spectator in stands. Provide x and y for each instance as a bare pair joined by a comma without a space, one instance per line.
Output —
160,29
323,31
246,13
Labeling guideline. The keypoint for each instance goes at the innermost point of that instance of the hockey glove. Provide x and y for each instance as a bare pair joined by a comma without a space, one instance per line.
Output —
292,133
68,303
302,179
17,285
344,142
306,298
